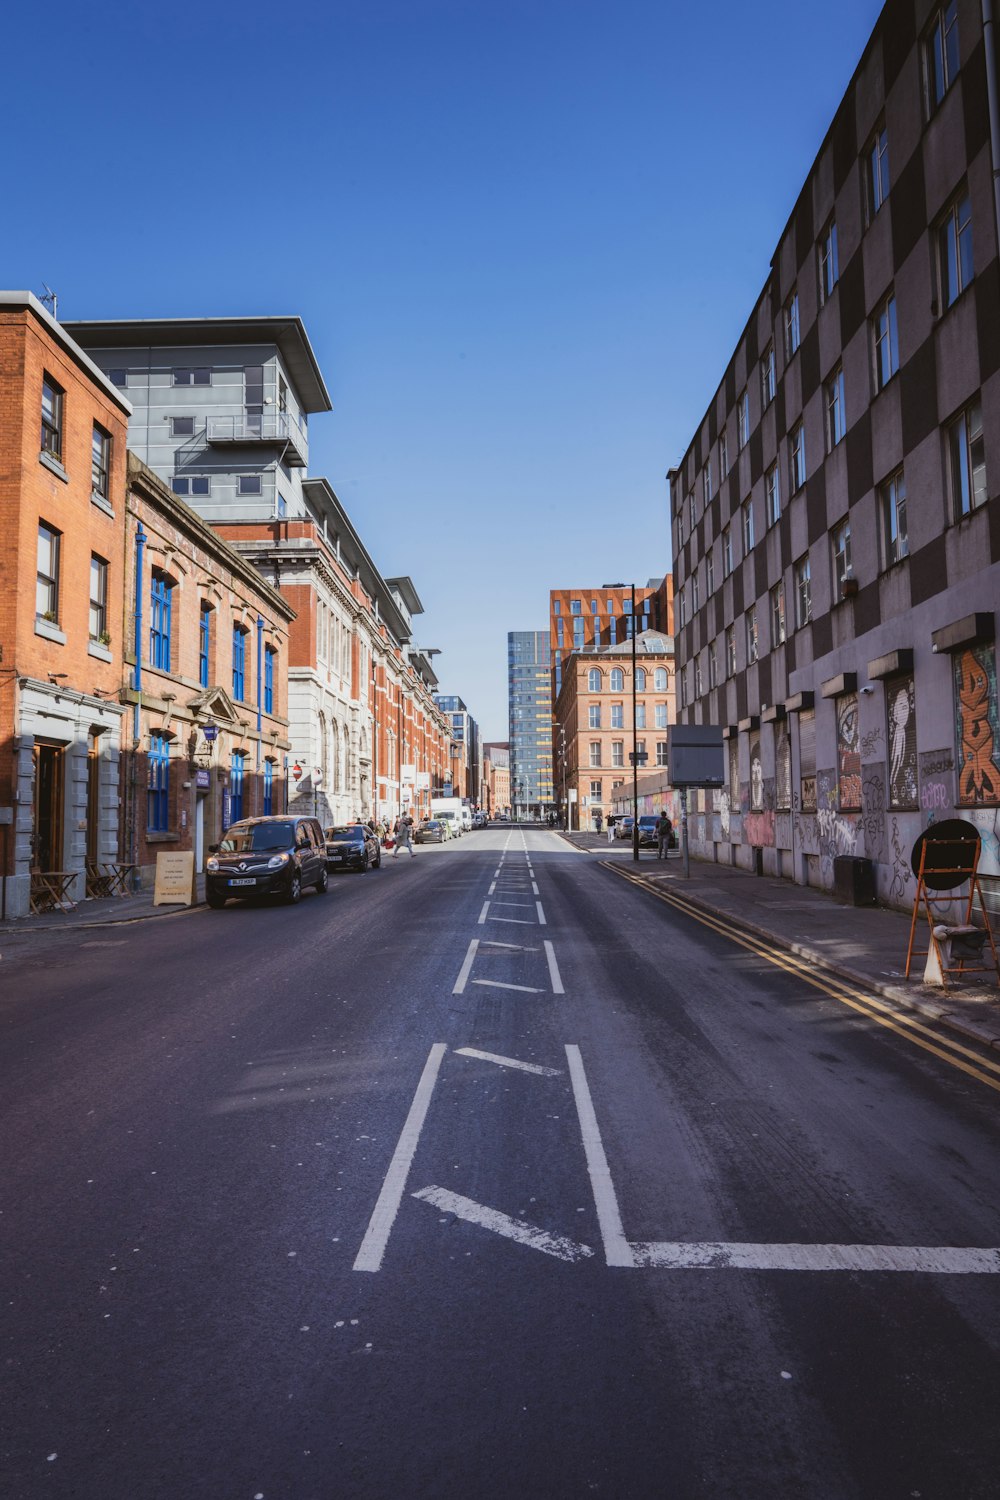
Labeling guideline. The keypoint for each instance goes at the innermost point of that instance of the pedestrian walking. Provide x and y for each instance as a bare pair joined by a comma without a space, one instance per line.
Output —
664,831
403,836
611,828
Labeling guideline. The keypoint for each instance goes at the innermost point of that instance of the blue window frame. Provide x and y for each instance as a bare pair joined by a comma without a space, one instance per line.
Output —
158,794
269,655
204,637
236,786
268,787
239,663
160,610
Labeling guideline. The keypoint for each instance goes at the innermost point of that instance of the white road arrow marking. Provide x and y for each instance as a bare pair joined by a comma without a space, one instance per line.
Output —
498,984
503,1224
507,1062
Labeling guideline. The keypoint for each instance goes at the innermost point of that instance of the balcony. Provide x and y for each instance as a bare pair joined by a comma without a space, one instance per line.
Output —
273,429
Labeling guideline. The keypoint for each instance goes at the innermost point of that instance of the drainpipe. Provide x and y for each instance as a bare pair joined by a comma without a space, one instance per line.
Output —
140,543
260,658
993,96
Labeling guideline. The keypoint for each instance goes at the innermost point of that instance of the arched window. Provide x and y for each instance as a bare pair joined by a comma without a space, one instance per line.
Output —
617,680
594,680
640,679
660,680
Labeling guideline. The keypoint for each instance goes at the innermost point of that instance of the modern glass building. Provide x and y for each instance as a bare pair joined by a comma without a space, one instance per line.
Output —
529,711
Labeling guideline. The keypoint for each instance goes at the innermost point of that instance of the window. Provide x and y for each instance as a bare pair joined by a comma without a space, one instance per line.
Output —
836,420
182,426
746,514
575,607
743,420
710,574
193,377
100,462
793,335
556,607
878,171
940,56
617,716
239,663
98,622
640,679
682,609
268,788
698,685
706,481
727,552
772,485
797,456
829,262
691,511
752,639
594,716
640,716
158,792
594,607
160,613
803,592
955,250
723,456
191,484
595,752
967,462
713,666
778,614
660,680
204,641
236,769
767,377
660,716
250,484
52,417
594,680
119,378
579,638
559,633
661,752
617,680
892,505
269,656
617,753
595,791
730,650
47,578
885,343
840,542
695,594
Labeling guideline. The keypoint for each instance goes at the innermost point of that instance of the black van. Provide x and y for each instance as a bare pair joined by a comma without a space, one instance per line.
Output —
274,856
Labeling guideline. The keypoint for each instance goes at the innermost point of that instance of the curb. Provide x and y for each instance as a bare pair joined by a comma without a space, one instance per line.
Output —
100,922
929,1009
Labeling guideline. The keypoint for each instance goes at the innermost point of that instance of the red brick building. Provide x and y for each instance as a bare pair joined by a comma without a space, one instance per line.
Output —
63,429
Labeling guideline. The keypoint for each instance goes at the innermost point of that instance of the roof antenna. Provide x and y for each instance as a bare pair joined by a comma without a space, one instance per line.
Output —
50,296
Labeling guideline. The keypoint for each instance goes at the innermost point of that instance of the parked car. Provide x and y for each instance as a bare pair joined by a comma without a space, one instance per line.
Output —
271,856
431,831
647,831
623,828
352,846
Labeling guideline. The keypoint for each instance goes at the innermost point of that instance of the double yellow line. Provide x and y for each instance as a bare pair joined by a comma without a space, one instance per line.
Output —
948,1050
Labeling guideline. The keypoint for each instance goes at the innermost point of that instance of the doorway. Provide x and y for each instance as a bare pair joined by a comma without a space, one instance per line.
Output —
47,840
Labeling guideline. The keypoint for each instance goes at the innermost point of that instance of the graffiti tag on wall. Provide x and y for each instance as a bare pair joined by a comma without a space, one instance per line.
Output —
937,782
848,753
902,744
873,811
978,726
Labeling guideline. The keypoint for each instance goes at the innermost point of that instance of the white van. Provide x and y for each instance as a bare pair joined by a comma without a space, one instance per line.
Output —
449,810
466,818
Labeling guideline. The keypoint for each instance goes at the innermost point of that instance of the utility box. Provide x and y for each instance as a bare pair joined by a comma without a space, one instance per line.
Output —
853,880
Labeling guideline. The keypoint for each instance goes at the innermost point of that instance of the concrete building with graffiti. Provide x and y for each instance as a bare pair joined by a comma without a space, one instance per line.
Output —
836,516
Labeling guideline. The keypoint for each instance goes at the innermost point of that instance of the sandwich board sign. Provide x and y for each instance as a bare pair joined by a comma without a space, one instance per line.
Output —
174,878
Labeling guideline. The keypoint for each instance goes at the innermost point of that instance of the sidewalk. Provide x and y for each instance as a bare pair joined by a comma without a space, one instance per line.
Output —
109,911
863,945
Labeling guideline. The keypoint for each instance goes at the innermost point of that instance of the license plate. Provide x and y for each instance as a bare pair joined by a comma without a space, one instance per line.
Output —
335,859
249,880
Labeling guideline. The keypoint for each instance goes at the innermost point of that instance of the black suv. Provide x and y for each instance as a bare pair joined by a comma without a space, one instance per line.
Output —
352,846
267,857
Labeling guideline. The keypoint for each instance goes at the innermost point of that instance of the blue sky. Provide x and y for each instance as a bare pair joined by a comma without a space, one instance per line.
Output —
524,239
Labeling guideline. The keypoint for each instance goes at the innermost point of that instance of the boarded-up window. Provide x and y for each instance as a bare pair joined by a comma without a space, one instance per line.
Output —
848,754
807,759
783,769
902,743
977,726
734,773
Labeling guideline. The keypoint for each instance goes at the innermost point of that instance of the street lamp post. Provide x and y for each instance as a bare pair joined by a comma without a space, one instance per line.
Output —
635,746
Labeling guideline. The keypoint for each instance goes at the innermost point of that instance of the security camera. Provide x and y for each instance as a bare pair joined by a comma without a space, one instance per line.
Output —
867,690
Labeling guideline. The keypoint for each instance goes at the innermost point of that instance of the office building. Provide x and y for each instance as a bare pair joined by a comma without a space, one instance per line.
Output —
529,711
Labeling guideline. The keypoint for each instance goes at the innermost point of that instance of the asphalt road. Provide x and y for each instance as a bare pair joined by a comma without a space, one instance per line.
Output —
285,1215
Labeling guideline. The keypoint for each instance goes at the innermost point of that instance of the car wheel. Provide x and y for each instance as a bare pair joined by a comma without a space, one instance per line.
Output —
378,860
364,863
215,900
294,892
322,883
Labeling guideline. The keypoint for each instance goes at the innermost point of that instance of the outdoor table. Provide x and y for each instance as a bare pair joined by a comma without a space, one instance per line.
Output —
49,888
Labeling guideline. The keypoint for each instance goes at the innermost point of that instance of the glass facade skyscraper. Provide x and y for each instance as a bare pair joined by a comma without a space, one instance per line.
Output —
529,711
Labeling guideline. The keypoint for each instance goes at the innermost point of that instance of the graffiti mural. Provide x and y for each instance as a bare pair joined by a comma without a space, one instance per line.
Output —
848,753
759,824
756,776
937,782
978,726
902,744
873,811
807,760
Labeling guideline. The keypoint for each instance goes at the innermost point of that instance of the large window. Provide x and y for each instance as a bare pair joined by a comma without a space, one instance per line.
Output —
617,680
967,462
160,620
595,752
836,417
940,55
660,680
640,716
98,623
829,261
52,417
269,655
885,342
100,462
158,793
660,715
204,642
594,716
803,592
640,679
878,171
239,663
237,766
47,577
594,680
797,456
579,639
617,716
955,250
661,752
892,505
617,753
200,376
